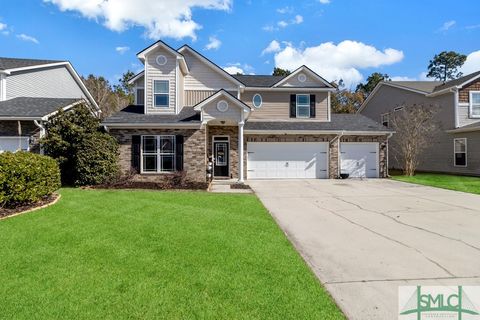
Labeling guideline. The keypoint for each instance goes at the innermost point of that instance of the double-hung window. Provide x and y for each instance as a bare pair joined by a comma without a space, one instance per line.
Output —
474,104
303,106
158,154
160,93
385,119
460,152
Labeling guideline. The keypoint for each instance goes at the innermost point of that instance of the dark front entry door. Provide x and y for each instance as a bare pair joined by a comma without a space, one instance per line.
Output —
220,159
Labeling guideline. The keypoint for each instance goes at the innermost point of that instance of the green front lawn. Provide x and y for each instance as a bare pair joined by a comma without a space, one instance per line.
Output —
150,255
458,183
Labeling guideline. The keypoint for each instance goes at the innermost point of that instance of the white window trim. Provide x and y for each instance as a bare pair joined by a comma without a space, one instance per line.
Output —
470,108
388,119
454,153
158,154
296,106
261,100
168,95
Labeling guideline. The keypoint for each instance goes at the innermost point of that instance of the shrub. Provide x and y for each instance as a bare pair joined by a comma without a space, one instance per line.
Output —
86,155
96,160
26,177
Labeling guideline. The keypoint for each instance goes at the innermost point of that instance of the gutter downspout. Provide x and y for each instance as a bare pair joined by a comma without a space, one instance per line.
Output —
42,133
388,166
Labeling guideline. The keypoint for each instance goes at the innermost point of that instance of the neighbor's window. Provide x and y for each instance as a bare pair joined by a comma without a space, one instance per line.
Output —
158,154
475,104
160,93
303,106
385,119
460,146
140,96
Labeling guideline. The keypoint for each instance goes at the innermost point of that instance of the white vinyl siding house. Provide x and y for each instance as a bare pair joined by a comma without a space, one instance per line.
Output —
164,72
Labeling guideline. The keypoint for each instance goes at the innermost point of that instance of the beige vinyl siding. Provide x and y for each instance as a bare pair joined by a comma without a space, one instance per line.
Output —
464,115
56,82
193,97
276,105
180,89
203,77
157,72
310,82
211,112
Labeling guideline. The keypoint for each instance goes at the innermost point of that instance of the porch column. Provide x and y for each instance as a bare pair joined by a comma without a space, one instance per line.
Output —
240,152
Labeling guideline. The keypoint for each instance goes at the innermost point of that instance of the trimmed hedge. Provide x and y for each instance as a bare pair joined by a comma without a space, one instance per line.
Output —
26,177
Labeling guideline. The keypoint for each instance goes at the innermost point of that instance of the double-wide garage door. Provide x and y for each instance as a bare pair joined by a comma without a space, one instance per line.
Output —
283,160
297,160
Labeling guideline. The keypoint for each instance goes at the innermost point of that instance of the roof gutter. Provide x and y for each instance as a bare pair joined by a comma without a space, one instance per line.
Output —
290,89
127,125
336,132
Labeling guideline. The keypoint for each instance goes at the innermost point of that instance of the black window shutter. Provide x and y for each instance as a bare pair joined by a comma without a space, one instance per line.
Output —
312,106
136,153
293,106
179,152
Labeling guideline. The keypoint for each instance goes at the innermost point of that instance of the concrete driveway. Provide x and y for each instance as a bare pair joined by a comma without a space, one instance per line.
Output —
363,239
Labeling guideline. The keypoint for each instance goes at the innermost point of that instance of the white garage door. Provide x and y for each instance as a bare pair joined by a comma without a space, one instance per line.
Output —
281,160
14,143
359,160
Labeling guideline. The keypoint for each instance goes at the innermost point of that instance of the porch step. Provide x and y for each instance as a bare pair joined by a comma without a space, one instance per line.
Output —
224,182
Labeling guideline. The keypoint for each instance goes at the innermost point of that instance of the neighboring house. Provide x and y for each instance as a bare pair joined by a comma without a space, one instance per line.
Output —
31,91
189,112
455,147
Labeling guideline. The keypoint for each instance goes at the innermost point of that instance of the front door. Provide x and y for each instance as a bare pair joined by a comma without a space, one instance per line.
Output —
220,158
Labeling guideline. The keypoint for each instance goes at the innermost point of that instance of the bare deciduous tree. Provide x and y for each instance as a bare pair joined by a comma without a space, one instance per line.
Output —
414,128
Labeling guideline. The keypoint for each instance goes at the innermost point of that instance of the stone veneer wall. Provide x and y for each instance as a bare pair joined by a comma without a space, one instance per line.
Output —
333,145
193,151
232,132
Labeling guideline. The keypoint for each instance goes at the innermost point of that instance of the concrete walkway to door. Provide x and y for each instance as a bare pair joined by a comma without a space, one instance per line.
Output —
363,239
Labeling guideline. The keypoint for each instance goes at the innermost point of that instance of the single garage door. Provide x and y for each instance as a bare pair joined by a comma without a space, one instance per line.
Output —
359,160
287,160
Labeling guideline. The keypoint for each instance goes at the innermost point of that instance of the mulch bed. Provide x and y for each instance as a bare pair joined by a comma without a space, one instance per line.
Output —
239,186
5,212
152,185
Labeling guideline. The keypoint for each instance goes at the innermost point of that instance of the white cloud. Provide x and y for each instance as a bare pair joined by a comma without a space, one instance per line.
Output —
447,25
213,43
284,10
403,78
274,46
160,18
298,19
475,26
122,50
335,62
472,64
324,1
234,70
282,24
27,38
269,28
3,26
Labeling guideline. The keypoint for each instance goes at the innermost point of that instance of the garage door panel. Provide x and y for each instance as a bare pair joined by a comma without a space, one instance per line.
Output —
359,160
267,160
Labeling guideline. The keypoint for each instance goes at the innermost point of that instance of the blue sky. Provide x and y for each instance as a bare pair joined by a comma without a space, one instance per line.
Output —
345,39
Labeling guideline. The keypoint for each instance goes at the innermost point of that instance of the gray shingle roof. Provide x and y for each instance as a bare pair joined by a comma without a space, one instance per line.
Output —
457,82
13,63
258,80
339,122
425,86
32,107
134,114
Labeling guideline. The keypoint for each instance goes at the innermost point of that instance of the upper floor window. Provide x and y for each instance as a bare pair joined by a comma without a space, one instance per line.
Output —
160,93
475,104
257,100
140,95
303,106
385,119
460,152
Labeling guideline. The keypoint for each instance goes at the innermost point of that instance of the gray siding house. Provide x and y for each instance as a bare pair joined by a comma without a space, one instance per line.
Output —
455,147
192,116
31,91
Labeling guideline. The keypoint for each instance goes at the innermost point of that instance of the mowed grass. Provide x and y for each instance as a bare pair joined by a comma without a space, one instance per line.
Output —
154,255
451,182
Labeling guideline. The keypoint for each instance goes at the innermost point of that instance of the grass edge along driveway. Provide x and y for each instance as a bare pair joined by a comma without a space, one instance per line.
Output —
101,254
444,181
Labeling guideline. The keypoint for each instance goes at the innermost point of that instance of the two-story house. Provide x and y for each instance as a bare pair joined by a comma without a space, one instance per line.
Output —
31,91
455,147
190,114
